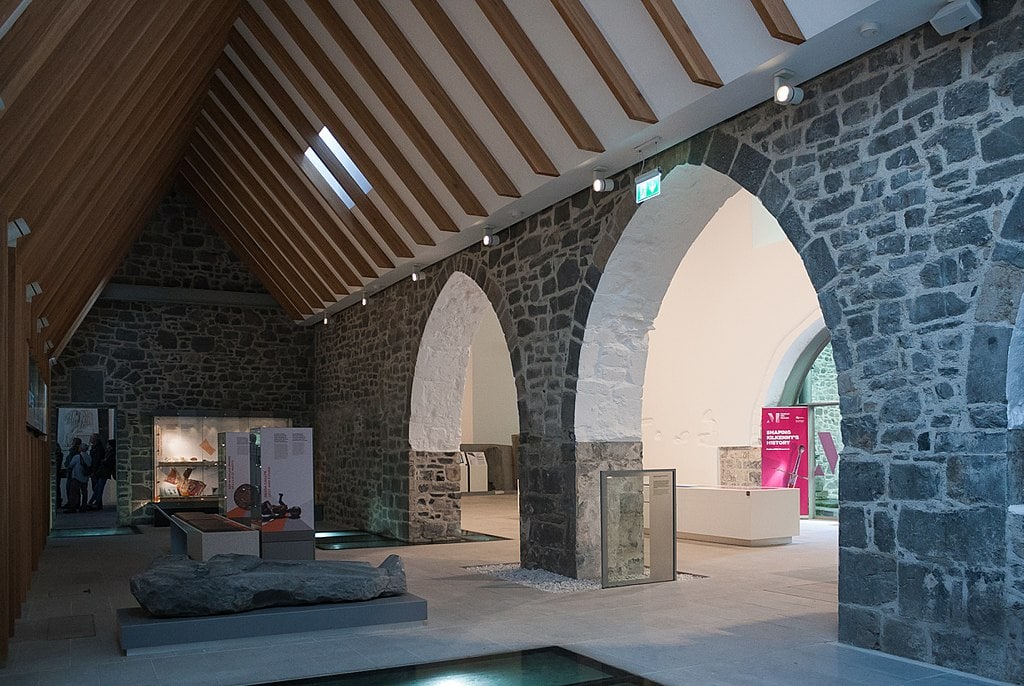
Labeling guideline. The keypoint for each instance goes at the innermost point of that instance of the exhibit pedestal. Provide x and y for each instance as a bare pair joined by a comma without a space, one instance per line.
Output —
140,632
201,536
738,516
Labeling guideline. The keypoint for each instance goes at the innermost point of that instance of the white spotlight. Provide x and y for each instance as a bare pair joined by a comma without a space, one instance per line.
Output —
602,184
490,239
364,300
325,319
416,275
785,92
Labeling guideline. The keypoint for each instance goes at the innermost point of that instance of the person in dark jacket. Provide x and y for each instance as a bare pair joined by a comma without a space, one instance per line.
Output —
102,469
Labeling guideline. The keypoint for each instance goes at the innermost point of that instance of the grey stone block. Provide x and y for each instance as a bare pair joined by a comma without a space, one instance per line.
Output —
866,578
986,367
913,481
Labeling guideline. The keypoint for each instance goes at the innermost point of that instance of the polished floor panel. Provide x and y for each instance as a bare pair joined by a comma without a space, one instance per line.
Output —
349,539
551,666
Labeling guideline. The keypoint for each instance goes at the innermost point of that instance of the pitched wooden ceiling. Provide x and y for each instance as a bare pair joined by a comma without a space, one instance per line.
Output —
454,115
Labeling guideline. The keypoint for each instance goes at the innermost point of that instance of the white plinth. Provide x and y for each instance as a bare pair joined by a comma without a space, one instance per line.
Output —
738,516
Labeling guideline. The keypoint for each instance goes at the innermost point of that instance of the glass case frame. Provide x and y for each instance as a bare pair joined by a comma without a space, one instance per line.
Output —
187,467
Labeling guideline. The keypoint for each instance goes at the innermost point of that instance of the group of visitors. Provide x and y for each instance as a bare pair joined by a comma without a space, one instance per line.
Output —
86,464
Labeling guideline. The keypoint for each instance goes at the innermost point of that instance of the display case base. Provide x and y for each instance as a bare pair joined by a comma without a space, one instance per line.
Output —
139,632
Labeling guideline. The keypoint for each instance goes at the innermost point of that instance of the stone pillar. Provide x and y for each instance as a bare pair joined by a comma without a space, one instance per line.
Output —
435,500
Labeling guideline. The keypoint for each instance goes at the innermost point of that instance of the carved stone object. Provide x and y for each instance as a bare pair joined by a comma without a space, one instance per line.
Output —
176,586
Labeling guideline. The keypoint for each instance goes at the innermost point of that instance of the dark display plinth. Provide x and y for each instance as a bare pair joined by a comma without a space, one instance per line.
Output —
138,631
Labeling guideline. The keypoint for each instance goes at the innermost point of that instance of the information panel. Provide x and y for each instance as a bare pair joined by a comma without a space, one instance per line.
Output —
784,450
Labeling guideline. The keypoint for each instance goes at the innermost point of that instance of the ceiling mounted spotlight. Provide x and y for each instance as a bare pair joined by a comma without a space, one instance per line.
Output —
601,183
364,300
490,240
416,275
785,92
32,290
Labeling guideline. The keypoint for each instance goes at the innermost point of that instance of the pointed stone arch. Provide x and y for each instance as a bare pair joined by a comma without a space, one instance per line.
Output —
435,407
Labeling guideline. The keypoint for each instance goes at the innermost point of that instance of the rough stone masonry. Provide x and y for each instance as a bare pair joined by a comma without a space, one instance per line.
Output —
898,180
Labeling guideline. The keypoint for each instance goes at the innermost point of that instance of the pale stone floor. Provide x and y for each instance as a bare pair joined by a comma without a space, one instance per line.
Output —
762,616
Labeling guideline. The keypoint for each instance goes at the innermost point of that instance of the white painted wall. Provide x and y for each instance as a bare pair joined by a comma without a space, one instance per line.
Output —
739,303
489,411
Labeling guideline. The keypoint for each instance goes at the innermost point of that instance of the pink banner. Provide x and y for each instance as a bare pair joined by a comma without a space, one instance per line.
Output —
784,450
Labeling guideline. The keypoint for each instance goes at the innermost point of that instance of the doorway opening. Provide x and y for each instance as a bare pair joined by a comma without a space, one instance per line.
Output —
95,505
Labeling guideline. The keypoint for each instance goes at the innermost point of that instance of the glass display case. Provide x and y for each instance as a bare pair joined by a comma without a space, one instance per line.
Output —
186,465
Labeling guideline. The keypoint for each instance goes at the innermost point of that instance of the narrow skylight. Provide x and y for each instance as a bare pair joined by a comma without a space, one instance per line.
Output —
346,161
329,177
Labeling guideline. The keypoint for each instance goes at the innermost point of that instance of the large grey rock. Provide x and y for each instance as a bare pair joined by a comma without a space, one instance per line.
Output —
176,586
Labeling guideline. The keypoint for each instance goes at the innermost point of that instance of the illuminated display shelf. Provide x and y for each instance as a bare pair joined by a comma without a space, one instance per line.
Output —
186,467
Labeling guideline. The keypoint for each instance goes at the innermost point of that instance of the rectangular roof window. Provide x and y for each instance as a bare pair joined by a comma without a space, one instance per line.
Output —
346,161
329,177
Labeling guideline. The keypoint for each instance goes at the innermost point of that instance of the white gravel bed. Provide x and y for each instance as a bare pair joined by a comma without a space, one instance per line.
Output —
540,579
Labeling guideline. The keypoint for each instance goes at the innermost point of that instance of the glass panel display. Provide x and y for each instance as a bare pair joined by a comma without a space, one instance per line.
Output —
638,527
187,465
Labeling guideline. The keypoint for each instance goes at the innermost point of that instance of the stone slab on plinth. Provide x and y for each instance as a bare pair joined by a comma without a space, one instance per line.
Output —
140,632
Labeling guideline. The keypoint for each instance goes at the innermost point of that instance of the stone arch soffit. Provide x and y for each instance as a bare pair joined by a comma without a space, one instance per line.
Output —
613,355
1015,373
439,379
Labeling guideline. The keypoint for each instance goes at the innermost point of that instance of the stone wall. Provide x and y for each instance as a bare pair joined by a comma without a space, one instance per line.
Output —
898,181
435,501
165,358
178,249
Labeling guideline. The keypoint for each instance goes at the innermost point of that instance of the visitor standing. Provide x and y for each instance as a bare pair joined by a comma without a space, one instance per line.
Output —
101,474
96,452
76,447
78,479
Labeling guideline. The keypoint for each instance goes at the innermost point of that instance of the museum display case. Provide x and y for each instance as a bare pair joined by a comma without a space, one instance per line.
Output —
186,465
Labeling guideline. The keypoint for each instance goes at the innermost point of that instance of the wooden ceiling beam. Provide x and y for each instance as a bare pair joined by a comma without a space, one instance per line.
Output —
779,21
234,234
395,104
233,170
684,44
485,86
285,192
439,99
88,178
366,120
38,175
260,225
246,232
328,237
294,116
130,215
604,59
538,71
312,97
32,39
123,218
119,177
57,75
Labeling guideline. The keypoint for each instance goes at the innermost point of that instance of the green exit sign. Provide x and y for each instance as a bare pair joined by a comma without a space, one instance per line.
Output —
648,186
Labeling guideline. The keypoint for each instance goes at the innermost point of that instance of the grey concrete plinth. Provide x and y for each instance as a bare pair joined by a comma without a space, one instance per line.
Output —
138,631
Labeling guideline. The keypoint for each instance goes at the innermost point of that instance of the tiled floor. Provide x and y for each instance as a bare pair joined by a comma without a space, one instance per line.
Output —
762,616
